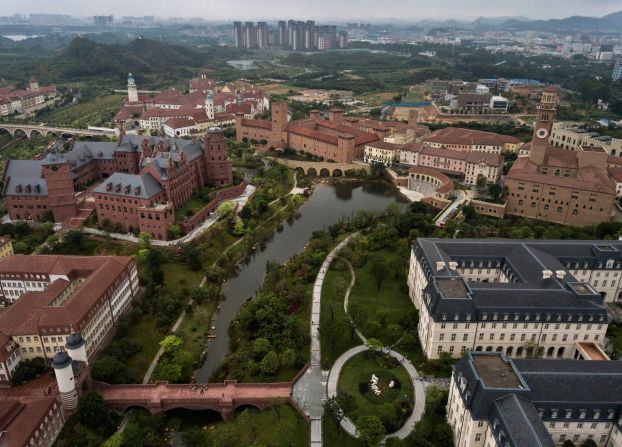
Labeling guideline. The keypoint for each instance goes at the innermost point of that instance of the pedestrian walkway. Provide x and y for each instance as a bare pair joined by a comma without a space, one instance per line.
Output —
310,390
241,201
418,388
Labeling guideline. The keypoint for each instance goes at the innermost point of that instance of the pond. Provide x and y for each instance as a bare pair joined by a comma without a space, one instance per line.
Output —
327,205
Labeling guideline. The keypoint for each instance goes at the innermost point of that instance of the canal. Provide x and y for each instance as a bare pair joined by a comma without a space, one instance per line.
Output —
327,205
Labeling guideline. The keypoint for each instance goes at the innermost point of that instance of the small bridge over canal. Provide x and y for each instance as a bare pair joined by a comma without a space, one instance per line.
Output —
36,129
224,398
322,169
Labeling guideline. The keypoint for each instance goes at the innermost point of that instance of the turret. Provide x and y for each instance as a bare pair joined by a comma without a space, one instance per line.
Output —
209,106
413,118
76,347
132,92
65,380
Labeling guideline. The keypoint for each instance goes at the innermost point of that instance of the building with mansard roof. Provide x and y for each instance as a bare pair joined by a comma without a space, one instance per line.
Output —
495,401
512,296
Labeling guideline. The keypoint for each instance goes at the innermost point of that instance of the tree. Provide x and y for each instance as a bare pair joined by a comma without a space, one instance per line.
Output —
347,402
369,430
568,443
93,413
29,370
172,344
109,369
287,358
238,227
357,314
332,406
145,239
226,436
224,209
589,443
261,346
269,365
194,437
378,270
174,231
394,442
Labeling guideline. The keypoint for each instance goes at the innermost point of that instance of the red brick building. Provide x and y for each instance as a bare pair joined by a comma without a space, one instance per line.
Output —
145,179
171,171
333,139
561,186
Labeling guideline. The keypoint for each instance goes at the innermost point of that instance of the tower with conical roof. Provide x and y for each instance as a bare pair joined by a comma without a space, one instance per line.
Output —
132,92
63,370
209,106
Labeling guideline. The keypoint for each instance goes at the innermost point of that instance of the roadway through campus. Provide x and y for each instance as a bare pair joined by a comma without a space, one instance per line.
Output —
316,385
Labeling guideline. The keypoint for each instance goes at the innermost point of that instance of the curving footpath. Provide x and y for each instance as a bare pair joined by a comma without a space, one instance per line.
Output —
418,388
310,390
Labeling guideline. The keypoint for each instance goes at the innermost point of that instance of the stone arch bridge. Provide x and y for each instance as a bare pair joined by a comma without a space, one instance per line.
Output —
223,398
323,169
33,129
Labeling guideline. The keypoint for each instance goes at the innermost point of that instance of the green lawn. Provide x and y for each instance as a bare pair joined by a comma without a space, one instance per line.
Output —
96,112
282,428
146,332
332,435
332,312
358,371
387,305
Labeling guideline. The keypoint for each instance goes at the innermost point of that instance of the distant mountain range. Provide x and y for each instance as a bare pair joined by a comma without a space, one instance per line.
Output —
608,23
611,23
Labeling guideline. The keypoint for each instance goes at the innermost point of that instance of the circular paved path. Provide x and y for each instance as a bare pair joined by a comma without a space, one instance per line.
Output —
418,388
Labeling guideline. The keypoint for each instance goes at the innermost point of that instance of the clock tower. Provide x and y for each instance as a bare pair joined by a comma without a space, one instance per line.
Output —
544,123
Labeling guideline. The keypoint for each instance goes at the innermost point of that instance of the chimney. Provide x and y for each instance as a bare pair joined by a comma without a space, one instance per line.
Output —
453,265
440,265
547,274
413,118
314,114
560,274
335,116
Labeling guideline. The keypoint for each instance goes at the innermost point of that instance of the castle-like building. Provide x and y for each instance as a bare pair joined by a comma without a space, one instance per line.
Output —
176,113
573,187
145,180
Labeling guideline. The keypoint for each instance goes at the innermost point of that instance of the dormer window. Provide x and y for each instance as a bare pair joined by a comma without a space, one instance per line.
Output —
541,412
554,413
568,414
484,317
495,316
444,317
582,414
596,414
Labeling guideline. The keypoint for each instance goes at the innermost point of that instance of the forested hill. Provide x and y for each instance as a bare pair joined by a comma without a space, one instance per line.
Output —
84,59
611,23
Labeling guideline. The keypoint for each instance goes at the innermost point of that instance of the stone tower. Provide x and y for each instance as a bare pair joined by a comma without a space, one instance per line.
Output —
543,125
76,347
218,167
57,175
132,92
279,122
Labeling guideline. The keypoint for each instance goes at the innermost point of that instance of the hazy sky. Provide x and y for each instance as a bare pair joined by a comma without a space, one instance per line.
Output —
336,10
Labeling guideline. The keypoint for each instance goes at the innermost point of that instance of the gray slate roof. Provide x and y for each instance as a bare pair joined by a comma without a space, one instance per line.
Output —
550,390
521,261
130,185
24,172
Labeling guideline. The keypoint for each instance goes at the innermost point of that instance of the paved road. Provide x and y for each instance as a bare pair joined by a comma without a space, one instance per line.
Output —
418,386
310,390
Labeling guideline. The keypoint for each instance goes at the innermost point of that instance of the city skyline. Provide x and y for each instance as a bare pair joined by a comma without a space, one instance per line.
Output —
323,9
